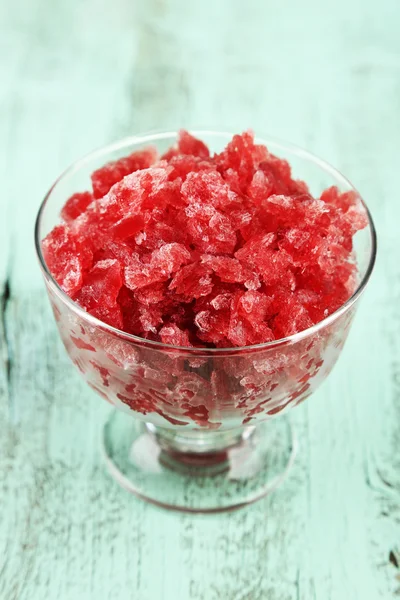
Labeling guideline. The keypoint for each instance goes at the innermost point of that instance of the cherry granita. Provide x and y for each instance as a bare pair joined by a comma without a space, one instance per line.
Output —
199,250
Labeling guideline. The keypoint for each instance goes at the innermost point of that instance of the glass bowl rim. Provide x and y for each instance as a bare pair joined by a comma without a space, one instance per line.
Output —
154,136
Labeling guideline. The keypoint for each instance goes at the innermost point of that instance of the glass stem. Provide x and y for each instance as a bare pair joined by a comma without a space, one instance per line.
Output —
199,447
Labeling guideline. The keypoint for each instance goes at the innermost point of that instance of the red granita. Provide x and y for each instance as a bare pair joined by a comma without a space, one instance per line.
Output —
193,249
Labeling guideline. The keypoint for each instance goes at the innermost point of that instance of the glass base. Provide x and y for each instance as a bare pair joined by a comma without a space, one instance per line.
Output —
198,471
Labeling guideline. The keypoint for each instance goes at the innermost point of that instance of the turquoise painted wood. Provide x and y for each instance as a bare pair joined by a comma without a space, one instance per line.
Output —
76,74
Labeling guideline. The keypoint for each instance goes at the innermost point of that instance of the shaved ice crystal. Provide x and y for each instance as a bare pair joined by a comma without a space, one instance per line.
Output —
194,249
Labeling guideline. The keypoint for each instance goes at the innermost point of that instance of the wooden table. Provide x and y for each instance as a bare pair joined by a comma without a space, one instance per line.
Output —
77,74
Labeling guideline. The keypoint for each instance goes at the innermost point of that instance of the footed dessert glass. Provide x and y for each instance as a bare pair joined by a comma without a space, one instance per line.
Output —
199,429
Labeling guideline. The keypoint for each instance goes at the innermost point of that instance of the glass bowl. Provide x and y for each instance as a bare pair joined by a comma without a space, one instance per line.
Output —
199,430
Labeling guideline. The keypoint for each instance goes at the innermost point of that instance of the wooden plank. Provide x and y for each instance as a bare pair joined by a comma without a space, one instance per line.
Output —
78,75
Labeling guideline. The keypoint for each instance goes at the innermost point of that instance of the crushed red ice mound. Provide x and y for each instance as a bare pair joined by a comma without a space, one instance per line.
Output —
194,249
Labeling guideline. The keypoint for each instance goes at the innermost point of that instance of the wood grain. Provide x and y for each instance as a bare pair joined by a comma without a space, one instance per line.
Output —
78,74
